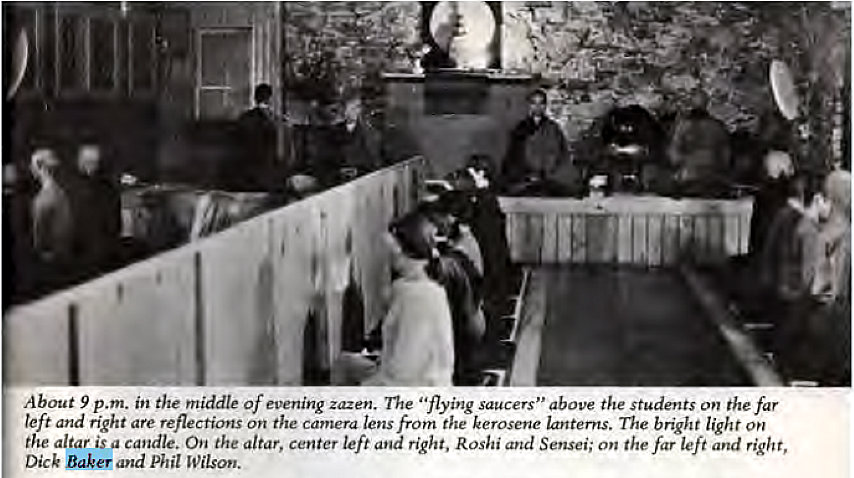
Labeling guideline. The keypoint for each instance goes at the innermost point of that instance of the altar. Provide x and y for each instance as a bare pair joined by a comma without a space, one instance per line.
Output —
638,230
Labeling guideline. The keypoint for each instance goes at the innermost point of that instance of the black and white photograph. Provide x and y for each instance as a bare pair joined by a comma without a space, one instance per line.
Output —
427,194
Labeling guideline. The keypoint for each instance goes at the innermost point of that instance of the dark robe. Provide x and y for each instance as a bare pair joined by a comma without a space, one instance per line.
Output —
437,59
537,151
254,164
358,149
97,210
462,285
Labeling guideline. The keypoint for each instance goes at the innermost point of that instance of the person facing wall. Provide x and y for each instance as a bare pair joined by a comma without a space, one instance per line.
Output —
462,279
417,332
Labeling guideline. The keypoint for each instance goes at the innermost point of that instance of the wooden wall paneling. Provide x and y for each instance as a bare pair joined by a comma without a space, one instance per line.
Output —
548,251
579,238
604,228
744,229
613,238
716,238
148,307
564,232
511,228
670,239
640,240
625,244
36,343
701,237
655,242
731,244
293,290
370,245
238,288
686,237
338,222
230,309
596,231
534,229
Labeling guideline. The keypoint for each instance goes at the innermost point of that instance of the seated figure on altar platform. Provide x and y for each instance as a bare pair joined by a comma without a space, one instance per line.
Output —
537,160
633,150
700,150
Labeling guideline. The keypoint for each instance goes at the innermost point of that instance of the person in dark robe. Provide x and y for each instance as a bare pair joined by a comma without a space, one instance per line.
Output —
771,196
700,150
459,275
787,272
537,160
97,211
354,144
18,245
255,166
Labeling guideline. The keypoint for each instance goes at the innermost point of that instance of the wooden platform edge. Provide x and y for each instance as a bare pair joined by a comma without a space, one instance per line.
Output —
742,346
528,333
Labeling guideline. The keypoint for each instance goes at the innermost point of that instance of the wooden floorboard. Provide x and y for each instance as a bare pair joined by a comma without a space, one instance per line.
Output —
605,326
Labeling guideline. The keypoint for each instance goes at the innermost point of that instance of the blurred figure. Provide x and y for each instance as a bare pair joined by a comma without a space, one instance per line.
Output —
97,210
777,170
823,353
700,150
788,270
439,56
18,243
52,223
417,331
478,208
537,159
255,166
354,144
463,283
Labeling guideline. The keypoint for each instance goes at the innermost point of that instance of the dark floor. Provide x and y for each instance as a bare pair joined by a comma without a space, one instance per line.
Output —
629,327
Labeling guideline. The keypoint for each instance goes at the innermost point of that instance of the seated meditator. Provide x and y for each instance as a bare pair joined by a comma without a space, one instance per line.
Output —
537,160
354,145
417,331
700,150
462,279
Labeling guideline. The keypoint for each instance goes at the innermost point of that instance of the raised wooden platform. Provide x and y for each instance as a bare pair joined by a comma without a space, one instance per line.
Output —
636,230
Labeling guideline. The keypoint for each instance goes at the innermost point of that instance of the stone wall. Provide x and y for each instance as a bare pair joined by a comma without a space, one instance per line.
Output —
594,55
599,55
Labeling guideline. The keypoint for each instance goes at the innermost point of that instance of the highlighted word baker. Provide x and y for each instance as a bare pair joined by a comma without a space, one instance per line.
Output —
88,458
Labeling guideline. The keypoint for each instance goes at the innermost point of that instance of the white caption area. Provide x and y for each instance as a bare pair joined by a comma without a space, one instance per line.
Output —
463,432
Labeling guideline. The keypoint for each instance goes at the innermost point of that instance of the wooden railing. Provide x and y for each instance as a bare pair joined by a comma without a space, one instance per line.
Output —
231,309
641,230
